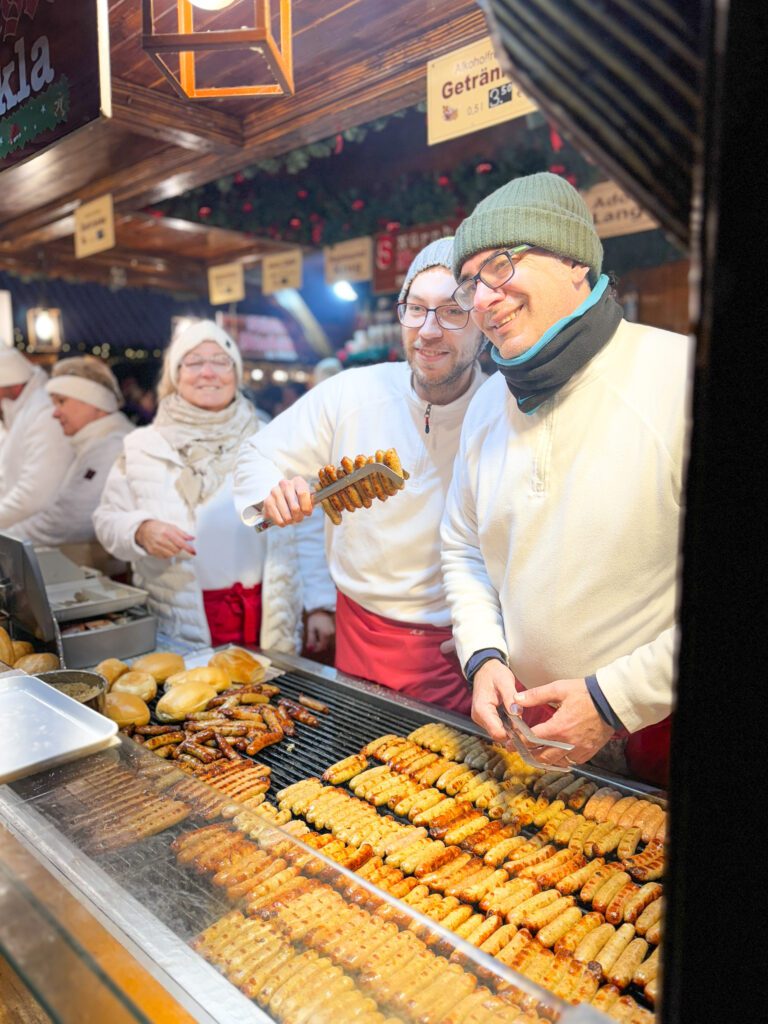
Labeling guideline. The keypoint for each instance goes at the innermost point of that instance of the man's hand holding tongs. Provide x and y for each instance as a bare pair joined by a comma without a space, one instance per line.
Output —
288,502
575,721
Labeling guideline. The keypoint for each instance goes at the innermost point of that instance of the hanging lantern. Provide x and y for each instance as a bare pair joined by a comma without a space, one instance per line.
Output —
188,56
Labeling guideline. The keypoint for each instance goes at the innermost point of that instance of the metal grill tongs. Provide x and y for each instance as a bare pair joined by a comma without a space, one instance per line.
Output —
520,736
251,515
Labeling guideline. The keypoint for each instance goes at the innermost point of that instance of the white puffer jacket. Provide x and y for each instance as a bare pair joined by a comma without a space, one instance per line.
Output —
141,486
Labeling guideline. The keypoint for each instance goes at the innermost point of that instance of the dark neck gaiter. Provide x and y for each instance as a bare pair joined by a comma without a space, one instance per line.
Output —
536,375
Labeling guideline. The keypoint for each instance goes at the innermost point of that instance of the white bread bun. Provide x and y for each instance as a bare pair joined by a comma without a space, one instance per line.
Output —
211,675
126,709
20,649
6,647
111,669
34,663
159,664
140,683
242,666
183,700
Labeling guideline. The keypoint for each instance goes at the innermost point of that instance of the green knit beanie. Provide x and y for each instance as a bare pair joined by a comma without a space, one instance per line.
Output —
540,209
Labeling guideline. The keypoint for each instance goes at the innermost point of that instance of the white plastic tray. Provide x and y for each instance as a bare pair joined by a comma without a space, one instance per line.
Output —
44,728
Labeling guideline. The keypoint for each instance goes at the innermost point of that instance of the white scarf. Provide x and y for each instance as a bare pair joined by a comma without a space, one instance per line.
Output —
207,442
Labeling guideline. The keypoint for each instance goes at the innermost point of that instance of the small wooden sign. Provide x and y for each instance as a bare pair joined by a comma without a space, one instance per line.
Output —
226,283
467,90
616,213
283,270
349,261
94,226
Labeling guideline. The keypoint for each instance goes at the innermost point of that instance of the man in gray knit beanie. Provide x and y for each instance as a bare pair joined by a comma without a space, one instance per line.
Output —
393,625
562,526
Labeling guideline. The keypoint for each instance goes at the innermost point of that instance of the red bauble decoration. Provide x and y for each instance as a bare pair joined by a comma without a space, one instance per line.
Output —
443,181
247,207
317,234
393,225
339,144
294,222
484,168
239,178
204,211
314,217
302,193
557,168
156,213
358,204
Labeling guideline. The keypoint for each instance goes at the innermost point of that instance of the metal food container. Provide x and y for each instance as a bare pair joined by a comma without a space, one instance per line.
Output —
73,681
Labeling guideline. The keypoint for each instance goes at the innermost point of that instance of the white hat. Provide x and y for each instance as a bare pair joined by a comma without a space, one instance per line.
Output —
196,334
14,367
437,254
89,380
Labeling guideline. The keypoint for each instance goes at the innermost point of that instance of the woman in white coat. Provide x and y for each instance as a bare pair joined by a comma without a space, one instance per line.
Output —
167,507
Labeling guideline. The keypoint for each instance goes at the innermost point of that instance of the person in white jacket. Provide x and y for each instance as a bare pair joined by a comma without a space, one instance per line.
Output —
168,509
34,455
392,620
86,402
562,527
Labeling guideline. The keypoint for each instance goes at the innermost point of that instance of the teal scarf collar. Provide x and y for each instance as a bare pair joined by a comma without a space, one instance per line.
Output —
540,372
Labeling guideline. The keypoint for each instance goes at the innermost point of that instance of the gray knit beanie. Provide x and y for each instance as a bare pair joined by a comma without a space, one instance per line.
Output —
540,209
437,254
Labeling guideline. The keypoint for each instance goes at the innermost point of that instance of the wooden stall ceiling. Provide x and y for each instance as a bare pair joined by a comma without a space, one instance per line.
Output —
354,60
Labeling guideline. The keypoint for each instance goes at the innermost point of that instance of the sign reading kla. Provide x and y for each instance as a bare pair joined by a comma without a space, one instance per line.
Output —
94,227
226,283
283,270
349,261
467,91
615,213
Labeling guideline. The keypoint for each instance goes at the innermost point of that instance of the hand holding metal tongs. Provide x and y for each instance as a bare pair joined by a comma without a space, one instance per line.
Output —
523,738
252,513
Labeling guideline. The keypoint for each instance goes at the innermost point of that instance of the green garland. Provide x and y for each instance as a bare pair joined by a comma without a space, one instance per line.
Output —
294,198
38,115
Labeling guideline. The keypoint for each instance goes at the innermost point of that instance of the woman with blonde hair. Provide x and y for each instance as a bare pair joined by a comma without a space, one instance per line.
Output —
167,507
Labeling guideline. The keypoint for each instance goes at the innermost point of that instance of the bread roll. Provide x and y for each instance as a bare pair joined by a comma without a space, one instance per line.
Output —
211,675
159,664
34,663
21,648
6,647
182,700
134,681
241,665
111,669
126,709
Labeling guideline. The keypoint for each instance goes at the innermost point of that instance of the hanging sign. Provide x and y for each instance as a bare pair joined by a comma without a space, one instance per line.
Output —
394,252
226,283
282,270
467,91
349,261
616,213
54,72
94,227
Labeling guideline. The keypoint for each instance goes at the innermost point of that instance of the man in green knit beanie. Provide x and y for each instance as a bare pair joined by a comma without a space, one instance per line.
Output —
562,528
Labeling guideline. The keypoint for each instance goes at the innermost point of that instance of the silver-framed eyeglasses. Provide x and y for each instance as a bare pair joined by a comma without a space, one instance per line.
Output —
450,316
494,272
219,364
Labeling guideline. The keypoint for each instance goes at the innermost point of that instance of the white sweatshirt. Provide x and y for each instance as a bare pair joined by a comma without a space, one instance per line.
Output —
561,532
387,557
34,456
68,517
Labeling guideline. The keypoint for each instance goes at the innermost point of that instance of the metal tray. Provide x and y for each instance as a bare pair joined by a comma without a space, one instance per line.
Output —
45,728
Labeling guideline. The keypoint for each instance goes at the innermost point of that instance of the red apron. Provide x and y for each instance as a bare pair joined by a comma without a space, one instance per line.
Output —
647,751
402,656
234,615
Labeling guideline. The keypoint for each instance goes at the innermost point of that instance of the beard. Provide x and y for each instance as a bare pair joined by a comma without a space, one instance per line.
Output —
464,362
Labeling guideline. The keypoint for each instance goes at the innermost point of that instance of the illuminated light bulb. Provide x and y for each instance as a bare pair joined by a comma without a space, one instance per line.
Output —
44,327
212,5
257,374
343,290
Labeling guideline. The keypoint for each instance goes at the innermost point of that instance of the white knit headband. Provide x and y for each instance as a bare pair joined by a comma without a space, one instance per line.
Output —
88,391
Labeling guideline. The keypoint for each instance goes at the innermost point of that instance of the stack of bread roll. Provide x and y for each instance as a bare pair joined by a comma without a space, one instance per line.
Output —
21,654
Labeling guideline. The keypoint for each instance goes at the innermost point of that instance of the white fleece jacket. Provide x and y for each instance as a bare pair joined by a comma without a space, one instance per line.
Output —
68,518
561,533
142,485
34,456
386,558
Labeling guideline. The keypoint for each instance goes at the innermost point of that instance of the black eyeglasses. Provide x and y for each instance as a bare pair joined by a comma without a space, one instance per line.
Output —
494,272
450,316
